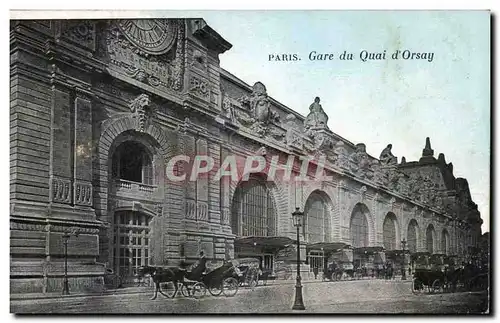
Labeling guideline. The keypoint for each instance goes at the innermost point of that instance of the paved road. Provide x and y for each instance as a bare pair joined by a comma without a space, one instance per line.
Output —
369,296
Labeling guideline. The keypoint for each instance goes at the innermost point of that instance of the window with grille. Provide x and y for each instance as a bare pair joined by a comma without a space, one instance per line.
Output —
131,162
315,212
390,232
429,236
131,241
412,236
444,242
253,210
359,229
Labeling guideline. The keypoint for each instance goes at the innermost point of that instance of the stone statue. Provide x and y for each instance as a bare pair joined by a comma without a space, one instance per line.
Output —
360,160
316,118
379,176
342,156
386,156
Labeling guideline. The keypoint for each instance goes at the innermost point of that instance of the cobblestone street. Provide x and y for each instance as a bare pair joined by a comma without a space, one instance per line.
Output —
364,296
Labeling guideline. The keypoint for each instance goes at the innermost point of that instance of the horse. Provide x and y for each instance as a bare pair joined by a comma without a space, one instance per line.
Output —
163,275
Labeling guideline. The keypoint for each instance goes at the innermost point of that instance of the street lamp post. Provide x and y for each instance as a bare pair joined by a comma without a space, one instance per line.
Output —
298,218
66,237
403,244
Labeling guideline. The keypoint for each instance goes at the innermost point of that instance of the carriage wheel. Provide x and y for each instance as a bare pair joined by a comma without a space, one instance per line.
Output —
230,287
168,289
417,286
215,289
436,286
185,291
333,277
198,291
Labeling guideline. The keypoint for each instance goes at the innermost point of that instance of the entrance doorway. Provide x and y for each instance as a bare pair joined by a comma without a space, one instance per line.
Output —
315,259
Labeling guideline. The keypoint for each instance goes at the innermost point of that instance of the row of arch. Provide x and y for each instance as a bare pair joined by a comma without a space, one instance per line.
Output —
254,214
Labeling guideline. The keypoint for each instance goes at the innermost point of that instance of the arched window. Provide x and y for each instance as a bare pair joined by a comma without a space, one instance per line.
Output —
253,210
429,237
444,241
359,228
131,162
390,231
412,236
131,241
316,228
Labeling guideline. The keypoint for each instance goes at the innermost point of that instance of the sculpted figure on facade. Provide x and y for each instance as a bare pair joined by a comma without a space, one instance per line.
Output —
379,174
402,186
360,162
293,136
317,117
258,114
386,156
227,108
141,109
342,159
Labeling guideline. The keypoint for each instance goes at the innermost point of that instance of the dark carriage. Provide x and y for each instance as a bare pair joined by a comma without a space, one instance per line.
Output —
428,280
223,279
250,272
193,282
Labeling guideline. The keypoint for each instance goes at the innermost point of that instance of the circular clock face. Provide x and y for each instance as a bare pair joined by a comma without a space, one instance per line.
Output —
153,36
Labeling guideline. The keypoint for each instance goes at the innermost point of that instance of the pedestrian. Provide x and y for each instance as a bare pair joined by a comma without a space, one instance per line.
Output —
315,270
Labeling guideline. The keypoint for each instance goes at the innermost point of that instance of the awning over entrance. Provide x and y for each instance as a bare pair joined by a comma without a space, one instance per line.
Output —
327,246
276,242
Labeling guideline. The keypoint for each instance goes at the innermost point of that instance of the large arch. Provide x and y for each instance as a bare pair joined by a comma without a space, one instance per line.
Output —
277,192
430,234
412,236
359,226
390,234
318,216
253,208
112,130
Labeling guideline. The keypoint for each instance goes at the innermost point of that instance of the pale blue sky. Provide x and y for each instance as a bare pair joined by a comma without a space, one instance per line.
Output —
379,102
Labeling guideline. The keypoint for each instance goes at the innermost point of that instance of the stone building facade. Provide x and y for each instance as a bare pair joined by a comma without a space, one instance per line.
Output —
99,109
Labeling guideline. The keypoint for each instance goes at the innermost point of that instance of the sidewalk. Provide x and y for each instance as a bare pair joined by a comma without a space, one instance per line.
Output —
149,289
125,290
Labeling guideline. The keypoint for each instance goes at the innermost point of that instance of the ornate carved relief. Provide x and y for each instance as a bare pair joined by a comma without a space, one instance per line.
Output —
82,32
27,226
199,88
342,156
159,209
258,115
61,190
142,110
145,62
293,136
360,163
83,194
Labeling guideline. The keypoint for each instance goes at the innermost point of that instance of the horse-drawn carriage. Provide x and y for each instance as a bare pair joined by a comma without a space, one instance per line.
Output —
195,282
336,272
468,277
250,271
